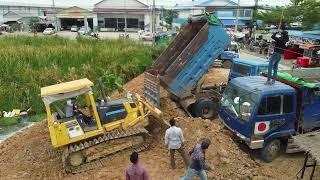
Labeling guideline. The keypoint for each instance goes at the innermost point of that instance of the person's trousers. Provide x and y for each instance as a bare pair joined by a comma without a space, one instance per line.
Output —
192,173
183,155
273,65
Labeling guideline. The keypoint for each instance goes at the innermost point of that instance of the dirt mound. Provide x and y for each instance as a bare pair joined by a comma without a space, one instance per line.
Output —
30,155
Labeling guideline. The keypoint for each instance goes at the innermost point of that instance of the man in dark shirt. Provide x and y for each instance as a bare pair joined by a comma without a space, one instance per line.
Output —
280,44
198,166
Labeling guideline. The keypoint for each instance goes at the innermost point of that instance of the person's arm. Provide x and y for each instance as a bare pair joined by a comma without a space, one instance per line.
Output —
145,175
274,36
191,151
181,136
166,138
127,175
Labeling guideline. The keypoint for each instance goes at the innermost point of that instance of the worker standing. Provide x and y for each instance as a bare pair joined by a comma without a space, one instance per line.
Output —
198,166
280,44
136,171
174,140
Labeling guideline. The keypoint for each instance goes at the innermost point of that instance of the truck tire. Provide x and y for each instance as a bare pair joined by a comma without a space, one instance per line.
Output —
226,64
205,108
271,150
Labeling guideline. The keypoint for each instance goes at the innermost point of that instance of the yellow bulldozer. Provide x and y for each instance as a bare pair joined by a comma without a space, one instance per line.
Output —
91,131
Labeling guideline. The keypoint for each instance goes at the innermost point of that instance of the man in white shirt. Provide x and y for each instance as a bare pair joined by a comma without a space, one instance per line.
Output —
174,140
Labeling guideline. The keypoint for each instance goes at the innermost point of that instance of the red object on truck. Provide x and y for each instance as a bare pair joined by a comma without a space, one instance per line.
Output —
303,61
292,53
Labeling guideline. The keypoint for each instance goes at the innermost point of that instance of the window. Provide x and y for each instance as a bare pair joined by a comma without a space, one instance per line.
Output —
110,22
247,13
270,105
241,69
287,103
132,23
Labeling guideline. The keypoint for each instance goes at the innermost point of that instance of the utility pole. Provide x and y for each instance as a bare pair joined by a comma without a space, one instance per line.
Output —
153,28
125,18
237,17
55,15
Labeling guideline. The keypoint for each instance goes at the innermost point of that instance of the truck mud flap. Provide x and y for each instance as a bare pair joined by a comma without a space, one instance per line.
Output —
152,89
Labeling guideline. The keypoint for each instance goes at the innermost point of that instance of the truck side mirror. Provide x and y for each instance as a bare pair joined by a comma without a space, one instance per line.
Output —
245,111
236,100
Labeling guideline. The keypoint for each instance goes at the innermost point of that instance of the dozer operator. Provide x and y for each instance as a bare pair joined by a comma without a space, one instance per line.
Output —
96,130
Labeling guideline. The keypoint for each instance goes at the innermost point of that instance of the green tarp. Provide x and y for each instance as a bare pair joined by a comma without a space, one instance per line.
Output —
301,82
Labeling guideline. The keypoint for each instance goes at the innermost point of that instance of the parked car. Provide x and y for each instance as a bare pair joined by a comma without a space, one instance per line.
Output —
74,28
147,36
49,31
83,30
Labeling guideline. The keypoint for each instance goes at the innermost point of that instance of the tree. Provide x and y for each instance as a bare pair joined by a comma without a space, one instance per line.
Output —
310,13
33,24
169,14
306,11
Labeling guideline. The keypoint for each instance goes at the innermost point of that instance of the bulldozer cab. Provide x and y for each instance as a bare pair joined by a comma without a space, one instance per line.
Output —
71,111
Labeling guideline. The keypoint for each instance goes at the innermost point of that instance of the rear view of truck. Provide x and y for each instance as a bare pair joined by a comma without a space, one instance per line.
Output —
183,64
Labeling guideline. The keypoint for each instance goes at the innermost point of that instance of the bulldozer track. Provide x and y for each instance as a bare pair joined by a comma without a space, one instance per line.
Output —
101,161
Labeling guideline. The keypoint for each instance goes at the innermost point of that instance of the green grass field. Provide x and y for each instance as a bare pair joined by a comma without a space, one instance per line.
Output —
29,63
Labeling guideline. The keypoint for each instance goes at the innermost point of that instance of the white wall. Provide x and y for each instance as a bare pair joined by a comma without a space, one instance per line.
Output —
120,4
185,13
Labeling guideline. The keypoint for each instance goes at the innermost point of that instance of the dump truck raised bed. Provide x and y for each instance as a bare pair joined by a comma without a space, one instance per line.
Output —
266,117
182,65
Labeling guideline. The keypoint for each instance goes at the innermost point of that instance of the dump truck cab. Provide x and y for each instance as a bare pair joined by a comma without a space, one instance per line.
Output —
229,54
252,109
247,67
69,123
267,116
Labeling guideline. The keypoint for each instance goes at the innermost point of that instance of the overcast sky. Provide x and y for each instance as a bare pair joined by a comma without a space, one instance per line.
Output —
90,3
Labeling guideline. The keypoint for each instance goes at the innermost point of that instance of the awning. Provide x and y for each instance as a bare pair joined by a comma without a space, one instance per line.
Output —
232,22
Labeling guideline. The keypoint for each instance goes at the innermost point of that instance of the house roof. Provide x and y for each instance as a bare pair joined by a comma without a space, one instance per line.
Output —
218,3
119,0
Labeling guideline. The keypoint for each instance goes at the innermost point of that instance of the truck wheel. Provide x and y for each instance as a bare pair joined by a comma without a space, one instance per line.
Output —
271,150
226,64
205,108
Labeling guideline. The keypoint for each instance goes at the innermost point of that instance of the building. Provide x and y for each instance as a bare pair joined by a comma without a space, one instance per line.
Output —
12,12
104,15
120,15
75,16
225,10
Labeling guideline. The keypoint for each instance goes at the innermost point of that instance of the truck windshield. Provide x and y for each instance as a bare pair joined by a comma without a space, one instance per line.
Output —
238,101
241,69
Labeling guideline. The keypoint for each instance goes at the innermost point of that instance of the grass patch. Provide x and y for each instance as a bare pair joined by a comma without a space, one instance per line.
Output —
37,117
28,63
8,121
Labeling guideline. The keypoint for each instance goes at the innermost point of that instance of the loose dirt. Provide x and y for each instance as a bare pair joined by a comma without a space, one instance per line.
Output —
30,155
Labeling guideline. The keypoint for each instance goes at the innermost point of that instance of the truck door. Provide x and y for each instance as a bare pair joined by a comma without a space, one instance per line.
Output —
275,116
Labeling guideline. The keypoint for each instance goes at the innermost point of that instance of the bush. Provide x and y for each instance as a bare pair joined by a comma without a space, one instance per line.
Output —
29,63
8,121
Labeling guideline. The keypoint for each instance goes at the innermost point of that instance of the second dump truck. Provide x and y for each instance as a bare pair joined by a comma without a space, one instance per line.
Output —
181,67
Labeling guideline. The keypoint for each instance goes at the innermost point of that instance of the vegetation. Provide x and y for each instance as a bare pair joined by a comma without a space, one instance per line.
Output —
306,12
33,24
8,121
169,14
29,63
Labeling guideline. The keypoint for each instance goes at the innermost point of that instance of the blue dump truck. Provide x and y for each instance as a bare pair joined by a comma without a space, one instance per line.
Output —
181,67
247,67
230,53
266,117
